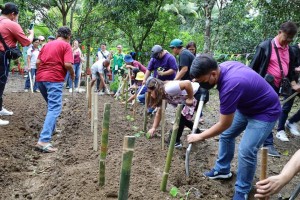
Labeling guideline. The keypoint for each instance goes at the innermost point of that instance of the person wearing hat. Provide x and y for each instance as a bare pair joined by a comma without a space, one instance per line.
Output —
162,64
133,64
185,59
51,38
138,83
42,41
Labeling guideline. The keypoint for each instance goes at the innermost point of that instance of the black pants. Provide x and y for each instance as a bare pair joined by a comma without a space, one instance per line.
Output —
182,123
4,69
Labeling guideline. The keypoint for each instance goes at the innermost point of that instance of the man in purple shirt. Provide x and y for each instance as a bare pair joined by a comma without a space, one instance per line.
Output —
162,64
247,103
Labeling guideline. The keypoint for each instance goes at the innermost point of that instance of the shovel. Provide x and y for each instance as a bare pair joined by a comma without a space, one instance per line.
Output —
30,79
73,89
195,126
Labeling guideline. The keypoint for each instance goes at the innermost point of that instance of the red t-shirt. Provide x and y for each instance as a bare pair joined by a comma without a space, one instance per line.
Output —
53,56
141,67
12,33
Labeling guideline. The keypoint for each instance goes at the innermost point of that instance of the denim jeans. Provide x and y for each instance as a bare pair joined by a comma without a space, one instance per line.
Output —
76,68
4,69
256,132
286,108
52,93
27,82
141,98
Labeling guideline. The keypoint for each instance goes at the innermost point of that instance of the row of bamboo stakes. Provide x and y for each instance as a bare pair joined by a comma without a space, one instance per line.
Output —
129,141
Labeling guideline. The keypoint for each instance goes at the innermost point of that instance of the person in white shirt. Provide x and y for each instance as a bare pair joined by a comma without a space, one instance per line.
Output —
97,74
32,55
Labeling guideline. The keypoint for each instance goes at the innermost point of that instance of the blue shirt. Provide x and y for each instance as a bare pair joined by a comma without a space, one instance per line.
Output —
241,88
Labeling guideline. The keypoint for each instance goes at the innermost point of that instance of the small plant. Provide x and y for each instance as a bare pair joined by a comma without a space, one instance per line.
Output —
174,192
129,118
142,133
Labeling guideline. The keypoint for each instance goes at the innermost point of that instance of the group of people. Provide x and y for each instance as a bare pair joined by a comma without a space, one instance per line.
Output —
249,100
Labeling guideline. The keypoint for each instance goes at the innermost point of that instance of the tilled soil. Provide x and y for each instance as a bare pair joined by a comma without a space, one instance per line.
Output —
72,172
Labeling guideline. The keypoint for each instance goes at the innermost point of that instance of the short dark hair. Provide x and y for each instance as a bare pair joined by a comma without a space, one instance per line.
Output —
35,39
64,32
289,28
8,8
103,44
202,65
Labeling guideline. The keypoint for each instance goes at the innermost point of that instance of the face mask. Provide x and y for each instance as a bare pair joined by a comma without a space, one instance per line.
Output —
207,85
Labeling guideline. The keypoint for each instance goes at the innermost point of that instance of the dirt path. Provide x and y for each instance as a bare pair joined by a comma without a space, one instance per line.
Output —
72,172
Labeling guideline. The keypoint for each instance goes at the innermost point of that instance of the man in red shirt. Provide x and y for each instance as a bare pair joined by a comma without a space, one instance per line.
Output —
11,33
55,59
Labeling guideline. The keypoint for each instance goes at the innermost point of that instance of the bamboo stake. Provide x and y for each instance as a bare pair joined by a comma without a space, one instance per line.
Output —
147,97
135,102
123,87
163,125
128,148
104,142
126,95
163,185
264,163
87,87
92,110
90,100
95,114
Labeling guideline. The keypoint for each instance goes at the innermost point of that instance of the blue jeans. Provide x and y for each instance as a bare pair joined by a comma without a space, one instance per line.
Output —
141,98
27,82
76,68
286,108
52,93
256,132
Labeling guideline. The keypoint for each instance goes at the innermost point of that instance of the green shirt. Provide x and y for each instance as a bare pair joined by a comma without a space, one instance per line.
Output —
118,59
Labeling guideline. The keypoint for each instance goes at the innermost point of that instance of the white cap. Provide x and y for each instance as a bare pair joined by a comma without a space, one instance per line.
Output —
41,37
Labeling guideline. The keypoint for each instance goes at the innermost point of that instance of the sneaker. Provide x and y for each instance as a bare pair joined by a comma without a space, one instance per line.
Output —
107,91
292,128
3,122
281,135
76,89
101,93
26,90
67,87
5,112
213,174
240,196
70,90
37,91
178,145
272,151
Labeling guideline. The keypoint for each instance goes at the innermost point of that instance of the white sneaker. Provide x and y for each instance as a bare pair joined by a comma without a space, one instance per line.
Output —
5,112
101,93
3,122
26,90
281,135
76,89
70,90
107,91
292,128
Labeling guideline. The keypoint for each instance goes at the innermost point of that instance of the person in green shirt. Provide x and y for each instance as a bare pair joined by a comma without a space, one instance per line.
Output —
117,61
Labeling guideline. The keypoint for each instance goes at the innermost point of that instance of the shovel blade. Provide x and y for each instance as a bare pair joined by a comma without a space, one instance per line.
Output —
187,160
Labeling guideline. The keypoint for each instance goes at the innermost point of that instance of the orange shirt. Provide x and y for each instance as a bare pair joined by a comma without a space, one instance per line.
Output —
12,33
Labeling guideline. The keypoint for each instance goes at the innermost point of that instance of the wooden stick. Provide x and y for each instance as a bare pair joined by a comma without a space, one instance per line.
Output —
135,102
90,100
123,88
126,94
264,163
128,148
104,143
289,98
147,97
163,124
163,186
92,110
30,80
95,113
87,87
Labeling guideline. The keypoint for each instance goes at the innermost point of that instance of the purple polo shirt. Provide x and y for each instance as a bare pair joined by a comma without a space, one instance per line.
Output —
167,62
241,88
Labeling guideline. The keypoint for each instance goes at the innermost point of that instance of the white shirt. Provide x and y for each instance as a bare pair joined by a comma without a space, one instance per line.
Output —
98,67
33,56
100,56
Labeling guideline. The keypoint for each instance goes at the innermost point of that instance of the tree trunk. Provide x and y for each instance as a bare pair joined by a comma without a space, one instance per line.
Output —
209,4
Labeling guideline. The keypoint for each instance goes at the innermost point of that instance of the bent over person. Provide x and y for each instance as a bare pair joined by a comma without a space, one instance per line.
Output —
247,103
55,59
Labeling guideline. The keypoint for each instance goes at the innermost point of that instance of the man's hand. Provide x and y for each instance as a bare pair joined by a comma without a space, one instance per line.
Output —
161,73
194,138
296,87
269,186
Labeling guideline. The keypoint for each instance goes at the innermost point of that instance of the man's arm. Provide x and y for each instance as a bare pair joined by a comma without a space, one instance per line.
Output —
181,73
147,74
69,67
223,124
273,184
167,73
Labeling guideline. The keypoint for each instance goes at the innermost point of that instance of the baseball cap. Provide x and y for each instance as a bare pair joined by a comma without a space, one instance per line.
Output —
42,38
51,37
128,58
176,43
156,49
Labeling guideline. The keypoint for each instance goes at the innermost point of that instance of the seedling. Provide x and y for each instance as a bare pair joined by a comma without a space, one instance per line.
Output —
174,192
129,118
142,133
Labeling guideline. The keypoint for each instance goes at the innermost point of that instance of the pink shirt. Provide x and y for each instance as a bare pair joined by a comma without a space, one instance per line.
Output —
273,67
12,33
